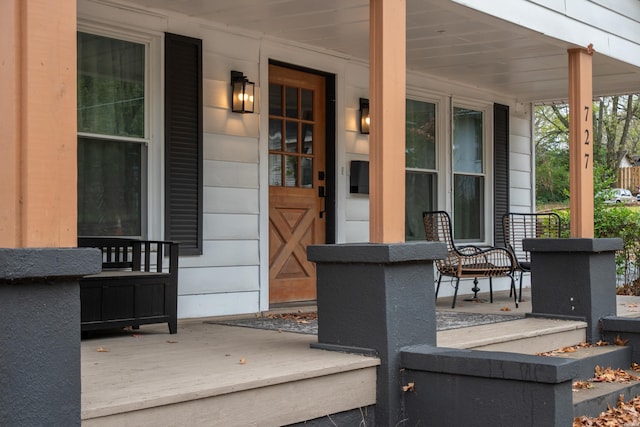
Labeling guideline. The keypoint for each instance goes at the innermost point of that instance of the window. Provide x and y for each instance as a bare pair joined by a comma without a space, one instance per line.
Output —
468,175
421,176
112,136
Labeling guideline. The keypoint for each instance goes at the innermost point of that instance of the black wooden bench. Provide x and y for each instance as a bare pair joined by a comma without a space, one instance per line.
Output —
136,286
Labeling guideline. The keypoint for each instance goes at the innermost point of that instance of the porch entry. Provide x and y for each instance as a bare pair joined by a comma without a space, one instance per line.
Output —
297,181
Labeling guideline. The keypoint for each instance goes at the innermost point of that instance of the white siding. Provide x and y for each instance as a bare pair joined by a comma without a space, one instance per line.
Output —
231,276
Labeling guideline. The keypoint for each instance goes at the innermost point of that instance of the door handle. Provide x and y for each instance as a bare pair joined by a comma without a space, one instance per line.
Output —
322,194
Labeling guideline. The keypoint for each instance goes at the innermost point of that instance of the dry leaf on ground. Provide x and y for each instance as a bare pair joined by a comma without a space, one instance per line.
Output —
409,387
101,349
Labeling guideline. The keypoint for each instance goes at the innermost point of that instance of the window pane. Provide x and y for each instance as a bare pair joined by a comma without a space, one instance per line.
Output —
275,170
420,197
292,102
292,137
467,140
307,142
109,188
307,104
110,86
291,173
468,208
421,135
307,172
275,100
275,134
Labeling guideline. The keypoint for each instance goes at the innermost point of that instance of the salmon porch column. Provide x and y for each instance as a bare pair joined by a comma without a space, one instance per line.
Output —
38,122
387,88
378,297
39,266
581,142
576,277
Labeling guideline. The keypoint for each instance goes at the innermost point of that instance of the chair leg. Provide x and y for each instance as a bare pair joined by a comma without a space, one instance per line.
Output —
455,293
513,288
438,287
521,274
490,291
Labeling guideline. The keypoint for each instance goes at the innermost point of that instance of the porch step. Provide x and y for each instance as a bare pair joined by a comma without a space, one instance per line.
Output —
591,402
611,356
213,375
527,335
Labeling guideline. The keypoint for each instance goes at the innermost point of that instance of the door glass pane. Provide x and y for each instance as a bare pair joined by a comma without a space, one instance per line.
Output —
307,135
468,208
420,135
275,134
307,104
292,137
292,102
275,170
420,196
109,188
291,173
307,173
467,140
110,86
275,100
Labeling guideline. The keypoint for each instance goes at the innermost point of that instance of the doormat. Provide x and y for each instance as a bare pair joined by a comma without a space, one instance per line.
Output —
307,323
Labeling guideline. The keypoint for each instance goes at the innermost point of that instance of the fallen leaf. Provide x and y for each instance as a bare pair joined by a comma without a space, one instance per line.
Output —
243,361
582,385
619,341
136,335
505,309
101,349
409,387
632,305
610,375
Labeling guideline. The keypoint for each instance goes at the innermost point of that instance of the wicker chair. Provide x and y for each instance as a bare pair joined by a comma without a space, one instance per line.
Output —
467,261
519,226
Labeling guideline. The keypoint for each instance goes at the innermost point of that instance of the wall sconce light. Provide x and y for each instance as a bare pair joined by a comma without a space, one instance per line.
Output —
242,93
365,120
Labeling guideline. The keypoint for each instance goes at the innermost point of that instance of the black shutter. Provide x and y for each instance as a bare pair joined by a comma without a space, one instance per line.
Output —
500,169
183,142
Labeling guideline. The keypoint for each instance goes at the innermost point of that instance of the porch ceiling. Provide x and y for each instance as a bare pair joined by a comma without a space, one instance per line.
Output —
444,39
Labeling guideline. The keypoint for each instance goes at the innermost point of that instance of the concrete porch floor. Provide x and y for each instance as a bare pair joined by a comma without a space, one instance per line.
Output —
211,374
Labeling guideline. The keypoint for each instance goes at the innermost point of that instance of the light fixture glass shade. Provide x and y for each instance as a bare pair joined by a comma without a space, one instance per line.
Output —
365,120
242,93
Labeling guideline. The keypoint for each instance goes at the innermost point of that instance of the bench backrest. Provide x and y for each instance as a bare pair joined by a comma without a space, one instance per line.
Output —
117,253
133,254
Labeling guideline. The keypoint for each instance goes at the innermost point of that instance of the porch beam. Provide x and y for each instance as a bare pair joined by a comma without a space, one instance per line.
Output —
581,142
38,154
387,82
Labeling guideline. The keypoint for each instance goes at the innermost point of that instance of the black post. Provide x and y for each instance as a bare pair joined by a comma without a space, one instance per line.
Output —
574,278
40,338
377,299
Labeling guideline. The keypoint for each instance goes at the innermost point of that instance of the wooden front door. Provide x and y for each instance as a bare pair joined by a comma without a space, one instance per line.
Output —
296,181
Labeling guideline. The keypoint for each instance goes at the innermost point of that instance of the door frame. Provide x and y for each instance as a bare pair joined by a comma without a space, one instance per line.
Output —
330,167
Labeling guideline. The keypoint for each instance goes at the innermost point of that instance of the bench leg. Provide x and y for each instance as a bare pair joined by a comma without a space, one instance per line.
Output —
173,326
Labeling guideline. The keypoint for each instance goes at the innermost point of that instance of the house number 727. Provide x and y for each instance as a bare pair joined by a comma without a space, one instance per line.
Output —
586,131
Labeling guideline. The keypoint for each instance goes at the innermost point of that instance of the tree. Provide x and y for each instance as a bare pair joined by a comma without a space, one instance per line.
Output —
616,132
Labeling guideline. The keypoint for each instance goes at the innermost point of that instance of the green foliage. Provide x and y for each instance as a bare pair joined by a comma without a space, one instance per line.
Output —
622,222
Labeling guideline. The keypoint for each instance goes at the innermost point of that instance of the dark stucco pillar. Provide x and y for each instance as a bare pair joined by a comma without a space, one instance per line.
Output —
376,299
574,278
40,334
